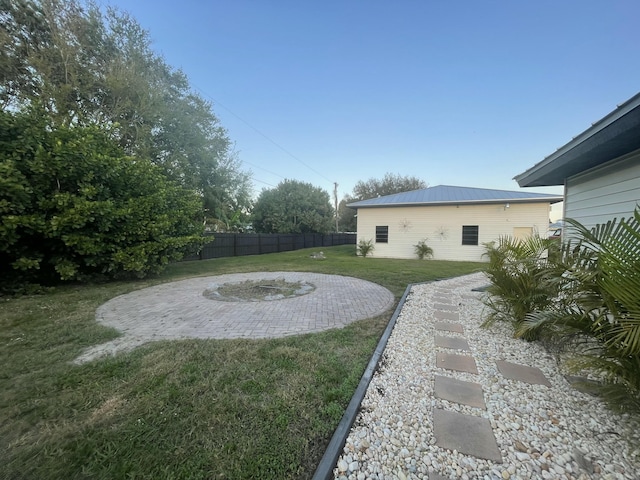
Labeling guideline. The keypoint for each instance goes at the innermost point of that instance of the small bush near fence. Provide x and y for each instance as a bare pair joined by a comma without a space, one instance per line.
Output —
240,244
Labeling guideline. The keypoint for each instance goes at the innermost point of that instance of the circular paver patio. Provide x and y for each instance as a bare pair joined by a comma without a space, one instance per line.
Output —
179,310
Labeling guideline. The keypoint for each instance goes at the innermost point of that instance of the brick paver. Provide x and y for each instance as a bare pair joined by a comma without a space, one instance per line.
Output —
179,310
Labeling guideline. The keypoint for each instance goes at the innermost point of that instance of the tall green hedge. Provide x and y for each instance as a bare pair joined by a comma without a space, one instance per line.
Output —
73,206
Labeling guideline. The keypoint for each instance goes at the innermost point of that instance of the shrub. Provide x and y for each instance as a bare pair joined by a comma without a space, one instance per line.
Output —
519,271
74,207
597,312
365,247
423,250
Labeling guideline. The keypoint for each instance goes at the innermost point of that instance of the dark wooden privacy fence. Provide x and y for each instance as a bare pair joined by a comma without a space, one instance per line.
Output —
238,244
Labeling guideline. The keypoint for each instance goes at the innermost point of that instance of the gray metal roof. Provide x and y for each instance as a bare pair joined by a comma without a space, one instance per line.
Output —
446,195
615,135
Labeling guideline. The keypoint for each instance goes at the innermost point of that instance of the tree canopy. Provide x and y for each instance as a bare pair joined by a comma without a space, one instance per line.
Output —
84,66
388,185
74,206
293,207
372,188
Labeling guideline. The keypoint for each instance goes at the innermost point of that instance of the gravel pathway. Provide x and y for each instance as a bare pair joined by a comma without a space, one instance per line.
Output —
541,431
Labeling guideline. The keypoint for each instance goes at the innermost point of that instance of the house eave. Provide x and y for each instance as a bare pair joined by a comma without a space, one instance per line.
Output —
549,200
611,137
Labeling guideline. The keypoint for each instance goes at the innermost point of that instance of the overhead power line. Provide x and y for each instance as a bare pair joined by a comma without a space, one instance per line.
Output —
259,132
263,169
266,183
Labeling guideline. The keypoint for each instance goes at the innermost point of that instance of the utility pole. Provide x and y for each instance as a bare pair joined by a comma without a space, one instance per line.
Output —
335,201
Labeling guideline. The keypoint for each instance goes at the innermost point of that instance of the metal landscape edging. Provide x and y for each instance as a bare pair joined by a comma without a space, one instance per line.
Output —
324,471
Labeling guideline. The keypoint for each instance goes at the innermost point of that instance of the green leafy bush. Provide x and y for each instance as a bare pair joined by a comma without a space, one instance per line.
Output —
423,250
596,316
73,206
519,271
365,247
582,299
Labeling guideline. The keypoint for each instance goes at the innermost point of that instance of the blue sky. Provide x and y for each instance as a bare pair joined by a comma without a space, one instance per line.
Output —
467,93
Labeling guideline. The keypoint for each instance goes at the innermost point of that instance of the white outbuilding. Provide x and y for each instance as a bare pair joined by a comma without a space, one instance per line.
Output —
454,221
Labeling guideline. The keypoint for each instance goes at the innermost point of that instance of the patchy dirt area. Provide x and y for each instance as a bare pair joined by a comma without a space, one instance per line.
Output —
258,290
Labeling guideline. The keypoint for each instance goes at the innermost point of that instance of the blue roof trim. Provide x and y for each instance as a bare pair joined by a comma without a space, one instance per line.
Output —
446,194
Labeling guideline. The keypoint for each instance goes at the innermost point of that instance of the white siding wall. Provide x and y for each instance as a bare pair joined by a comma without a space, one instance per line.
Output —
601,194
441,226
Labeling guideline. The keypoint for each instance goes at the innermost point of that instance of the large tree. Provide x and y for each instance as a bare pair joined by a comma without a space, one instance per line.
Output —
89,67
293,207
372,188
73,206
347,221
388,185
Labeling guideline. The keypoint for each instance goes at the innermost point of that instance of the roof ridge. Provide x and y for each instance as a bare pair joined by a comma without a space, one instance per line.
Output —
450,194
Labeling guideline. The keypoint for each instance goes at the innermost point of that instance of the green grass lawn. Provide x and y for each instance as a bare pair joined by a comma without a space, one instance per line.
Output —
191,409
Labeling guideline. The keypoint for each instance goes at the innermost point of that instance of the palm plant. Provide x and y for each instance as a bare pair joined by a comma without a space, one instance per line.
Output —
597,310
517,269
365,247
423,250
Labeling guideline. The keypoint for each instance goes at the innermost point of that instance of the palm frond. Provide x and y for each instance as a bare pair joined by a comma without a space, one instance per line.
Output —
594,283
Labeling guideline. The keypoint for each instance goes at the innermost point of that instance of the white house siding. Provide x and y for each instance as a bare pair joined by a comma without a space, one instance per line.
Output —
601,194
441,226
